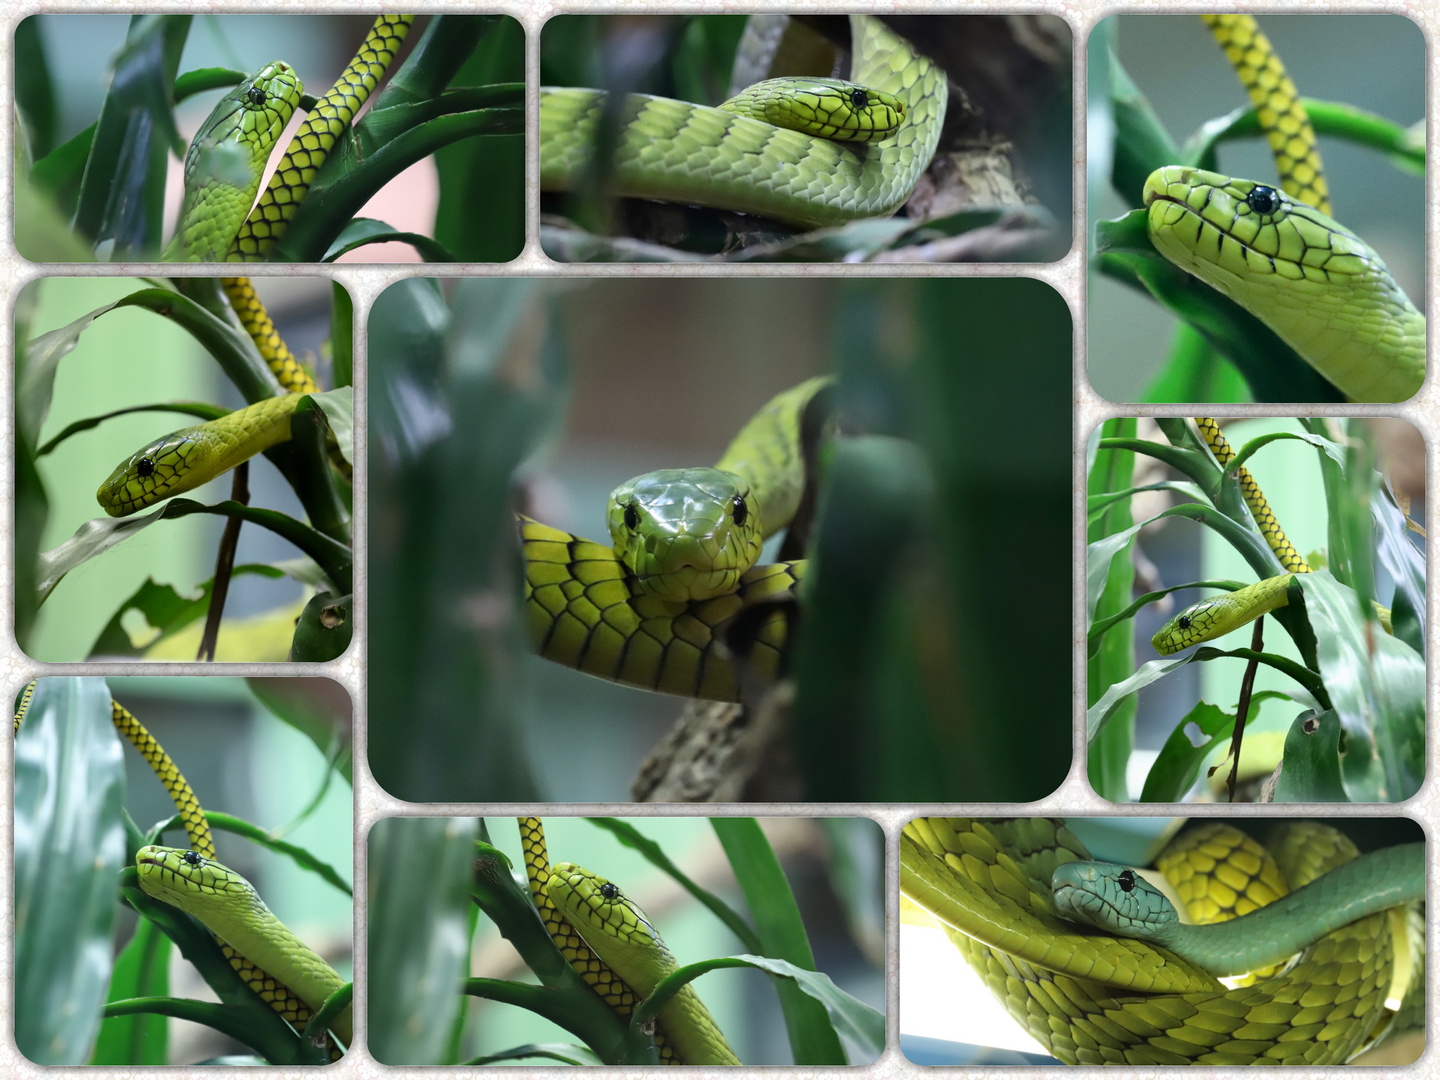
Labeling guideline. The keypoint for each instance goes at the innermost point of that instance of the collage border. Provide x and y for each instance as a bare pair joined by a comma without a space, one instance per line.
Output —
366,281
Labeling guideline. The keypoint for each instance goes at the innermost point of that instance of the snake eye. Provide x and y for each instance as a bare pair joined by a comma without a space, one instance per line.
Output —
1184,622
609,892
193,858
145,467
256,95
1126,880
632,516
738,510
859,98
1262,199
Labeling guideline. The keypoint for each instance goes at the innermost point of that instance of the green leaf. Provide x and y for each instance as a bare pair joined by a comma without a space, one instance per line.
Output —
34,89
164,610
99,535
122,194
418,944
362,231
1178,764
1196,371
565,1053
342,336
782,935
69,845
1312,771
324,630
339,408
1142,144
849,1016
300,856
1377,685
141,970
187,408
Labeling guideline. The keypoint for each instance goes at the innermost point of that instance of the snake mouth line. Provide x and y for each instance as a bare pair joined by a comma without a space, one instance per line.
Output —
1204,223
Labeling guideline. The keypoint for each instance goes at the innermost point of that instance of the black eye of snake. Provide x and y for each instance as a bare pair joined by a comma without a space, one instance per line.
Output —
1126,880
1262,199
632,516
145,467
738,510
1184,622
193,858
256,96
859,98
609,892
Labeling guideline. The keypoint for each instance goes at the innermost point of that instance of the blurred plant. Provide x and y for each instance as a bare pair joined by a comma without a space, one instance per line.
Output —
1361,734
1220,352
196,306
102,194
435,867
77,1000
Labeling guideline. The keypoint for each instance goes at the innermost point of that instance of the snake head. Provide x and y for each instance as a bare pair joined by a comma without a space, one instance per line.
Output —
1187,628
686,534
827,108
188,880
1114,898
154,472
611,923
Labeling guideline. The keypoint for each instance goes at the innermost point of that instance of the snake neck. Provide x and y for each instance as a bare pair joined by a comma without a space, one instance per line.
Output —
1383,879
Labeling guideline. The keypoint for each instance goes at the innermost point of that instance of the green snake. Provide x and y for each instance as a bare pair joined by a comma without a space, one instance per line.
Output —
649,609
734,157
1278,254
290,1004
220,219
231,909
1094,999
607,939
1218,615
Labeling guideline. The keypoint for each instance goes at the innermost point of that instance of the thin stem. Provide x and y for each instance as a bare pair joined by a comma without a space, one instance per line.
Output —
224,564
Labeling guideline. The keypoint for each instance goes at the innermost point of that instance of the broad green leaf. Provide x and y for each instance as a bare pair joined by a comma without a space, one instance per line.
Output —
565,1053
300,856
186,408
782,935
324,630
141,971
34,88
362,231
342,335
339,408
1178,765
419,947
69,845
164,610
123,190
320,709
1312,771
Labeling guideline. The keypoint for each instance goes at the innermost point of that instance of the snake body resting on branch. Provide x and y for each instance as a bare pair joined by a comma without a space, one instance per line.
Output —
249,936
1092,998
1278,253
609,941
650,609
677,151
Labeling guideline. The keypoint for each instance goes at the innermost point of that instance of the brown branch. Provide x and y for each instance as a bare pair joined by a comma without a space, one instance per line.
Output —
224,564
1247,684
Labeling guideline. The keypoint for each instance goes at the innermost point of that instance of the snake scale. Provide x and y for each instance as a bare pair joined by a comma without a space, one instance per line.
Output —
1092,999
277,966
608,940
677,151
626,611
1278,253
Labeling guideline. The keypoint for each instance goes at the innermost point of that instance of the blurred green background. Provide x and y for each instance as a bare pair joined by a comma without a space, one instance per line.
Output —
834,866
583,385
131,356
1374,62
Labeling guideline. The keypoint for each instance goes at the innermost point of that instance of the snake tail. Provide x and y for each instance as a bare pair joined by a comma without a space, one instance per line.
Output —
686,153
1277,103
618,931
192,456
578,955
258,233
226,160
261,328
232,910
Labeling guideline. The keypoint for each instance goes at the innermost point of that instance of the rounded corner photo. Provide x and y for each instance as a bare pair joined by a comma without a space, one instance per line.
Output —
219,931
561,940
809,137
184,138
1154,941
1256,221
183,479
719,540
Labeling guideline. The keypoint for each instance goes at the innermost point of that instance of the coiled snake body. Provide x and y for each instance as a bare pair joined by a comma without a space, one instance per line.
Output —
694,535
681,152
1091,998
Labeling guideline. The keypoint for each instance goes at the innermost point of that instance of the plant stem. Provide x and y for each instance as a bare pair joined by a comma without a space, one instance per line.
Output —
224,564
